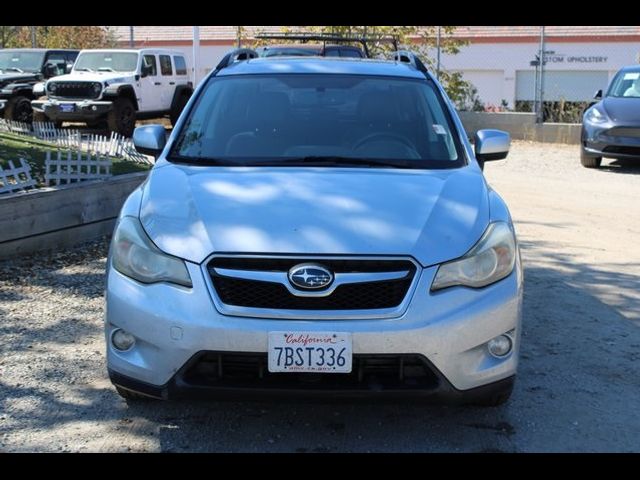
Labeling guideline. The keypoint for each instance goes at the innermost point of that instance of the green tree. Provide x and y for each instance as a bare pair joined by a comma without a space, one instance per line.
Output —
62,36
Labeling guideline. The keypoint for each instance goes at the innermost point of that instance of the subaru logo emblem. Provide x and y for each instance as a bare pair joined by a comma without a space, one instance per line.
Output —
309,276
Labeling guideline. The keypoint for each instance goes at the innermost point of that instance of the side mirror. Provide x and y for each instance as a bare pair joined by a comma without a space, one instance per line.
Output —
491,145
68,67
150,139
598,95
145,71
50,70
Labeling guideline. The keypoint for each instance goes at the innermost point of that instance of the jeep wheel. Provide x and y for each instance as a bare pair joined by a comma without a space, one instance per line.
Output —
19,109
122,118
174,115
588,161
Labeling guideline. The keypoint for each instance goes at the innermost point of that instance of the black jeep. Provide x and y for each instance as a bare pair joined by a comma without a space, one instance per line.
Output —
21,69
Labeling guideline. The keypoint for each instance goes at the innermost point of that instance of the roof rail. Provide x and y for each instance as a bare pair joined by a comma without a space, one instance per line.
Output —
331,37
407,56
237,55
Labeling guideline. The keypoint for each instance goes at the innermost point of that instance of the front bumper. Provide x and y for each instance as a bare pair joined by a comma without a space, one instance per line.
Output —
611,141
448,328
72,110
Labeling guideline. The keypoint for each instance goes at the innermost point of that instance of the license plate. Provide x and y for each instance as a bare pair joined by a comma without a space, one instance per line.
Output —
67,107
319,352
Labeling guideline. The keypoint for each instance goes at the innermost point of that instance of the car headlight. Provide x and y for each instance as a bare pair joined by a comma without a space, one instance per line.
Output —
135,255
490,260
52,87
97,88
594,115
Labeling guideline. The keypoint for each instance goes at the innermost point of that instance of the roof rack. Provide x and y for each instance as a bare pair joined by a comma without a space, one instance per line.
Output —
237,55
330,37
407,56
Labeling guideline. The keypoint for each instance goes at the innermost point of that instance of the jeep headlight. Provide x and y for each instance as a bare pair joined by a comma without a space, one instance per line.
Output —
490,260
97,88
135,255
52,87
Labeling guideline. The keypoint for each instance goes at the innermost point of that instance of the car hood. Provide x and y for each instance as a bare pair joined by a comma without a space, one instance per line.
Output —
12,77
432,215
622,110
111,77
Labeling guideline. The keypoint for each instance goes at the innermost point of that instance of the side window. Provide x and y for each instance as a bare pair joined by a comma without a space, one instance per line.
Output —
165,65
332,52
351,53
150,62
181,65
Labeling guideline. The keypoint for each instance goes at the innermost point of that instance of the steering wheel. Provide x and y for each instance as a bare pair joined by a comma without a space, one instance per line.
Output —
378,136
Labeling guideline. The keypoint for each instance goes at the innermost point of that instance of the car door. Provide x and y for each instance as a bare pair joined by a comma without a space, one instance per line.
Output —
168,81
150,93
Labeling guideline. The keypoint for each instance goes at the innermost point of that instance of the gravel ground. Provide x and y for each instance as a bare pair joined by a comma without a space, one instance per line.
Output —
578,387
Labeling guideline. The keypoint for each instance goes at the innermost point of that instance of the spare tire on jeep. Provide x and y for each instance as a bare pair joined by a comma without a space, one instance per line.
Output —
122,117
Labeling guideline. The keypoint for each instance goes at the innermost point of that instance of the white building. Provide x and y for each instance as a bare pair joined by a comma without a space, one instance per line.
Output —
497,60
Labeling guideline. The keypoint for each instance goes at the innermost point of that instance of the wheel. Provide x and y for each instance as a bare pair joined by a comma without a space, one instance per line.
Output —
122,117
495,398
131,396
19,109
174,115
589,161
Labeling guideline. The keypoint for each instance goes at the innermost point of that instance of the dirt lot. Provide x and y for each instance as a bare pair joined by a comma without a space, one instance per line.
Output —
578,386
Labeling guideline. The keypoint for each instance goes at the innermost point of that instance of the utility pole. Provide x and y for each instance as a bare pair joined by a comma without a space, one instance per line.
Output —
131,42
540,111
438,38
239,34
196,52
33,37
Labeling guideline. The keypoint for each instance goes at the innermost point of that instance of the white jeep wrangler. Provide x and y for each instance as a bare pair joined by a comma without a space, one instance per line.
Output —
117,87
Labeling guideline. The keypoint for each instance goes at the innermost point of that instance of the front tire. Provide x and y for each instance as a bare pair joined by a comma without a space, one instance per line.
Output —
122,117
588,161
19,109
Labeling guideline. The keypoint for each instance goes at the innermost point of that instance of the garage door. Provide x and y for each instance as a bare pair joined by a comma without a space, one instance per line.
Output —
558,85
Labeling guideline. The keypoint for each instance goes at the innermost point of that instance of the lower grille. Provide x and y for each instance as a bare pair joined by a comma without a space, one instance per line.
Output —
370,372
73,90
624,132
622,150
364,295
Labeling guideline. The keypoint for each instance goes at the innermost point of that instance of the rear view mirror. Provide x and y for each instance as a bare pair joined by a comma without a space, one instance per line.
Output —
598,95
491,145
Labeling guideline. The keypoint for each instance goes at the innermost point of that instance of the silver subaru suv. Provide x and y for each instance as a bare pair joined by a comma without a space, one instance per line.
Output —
316,226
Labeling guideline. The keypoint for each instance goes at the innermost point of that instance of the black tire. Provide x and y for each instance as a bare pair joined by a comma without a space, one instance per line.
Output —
122,117
495,399
174,115
589,161
131,396
19,109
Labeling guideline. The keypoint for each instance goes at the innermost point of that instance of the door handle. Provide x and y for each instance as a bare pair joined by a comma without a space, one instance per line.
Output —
157,83
172,83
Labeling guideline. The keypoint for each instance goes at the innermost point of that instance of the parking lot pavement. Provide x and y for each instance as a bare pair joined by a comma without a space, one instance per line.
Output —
578,387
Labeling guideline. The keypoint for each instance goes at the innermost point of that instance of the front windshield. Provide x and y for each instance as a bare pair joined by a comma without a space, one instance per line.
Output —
106,62
288,52
314,119
626,84
20,61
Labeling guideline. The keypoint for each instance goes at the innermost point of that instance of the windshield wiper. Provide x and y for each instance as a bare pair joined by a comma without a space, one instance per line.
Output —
331,160
15,69
106,69
83,69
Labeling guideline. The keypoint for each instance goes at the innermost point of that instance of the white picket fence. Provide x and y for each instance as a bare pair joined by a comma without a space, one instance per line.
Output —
67,168
115,145
15,179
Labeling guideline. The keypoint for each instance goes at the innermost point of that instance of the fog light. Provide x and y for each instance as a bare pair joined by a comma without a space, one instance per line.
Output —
500,346
94,108
122,340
